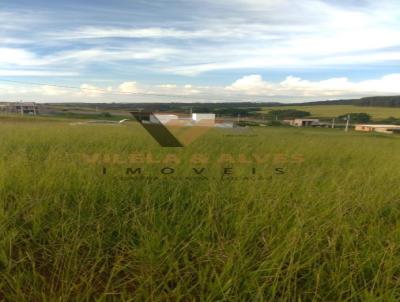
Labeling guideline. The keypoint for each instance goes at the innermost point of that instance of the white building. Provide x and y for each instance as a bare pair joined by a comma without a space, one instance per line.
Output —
303,122
203,116
163,118
20,108
378,128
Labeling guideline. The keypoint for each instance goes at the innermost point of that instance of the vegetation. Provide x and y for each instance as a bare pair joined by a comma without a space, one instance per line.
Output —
84,110
356,117
235,111
331,111
287,114
384,101
162,107
390,120
106,114
379,108
375,101
248,123
89,115
327,229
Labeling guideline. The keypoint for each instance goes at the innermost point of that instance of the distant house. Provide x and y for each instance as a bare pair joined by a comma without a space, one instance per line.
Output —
203,116
302,122
378,128
205,120
20,108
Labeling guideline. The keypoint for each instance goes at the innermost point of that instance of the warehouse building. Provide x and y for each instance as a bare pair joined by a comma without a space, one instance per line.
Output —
302,122
378,128
20,108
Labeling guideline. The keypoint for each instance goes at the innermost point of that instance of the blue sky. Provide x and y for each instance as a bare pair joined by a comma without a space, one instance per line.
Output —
268,50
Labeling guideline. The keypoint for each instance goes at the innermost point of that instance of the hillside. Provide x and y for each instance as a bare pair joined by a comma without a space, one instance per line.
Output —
375,101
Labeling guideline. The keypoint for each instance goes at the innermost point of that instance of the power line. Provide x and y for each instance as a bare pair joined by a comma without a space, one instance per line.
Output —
119,93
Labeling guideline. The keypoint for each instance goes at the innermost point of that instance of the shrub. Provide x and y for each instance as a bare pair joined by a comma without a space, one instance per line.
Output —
287,113
357,117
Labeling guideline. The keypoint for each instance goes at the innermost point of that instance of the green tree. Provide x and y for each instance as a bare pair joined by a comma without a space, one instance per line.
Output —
357,117
105,114
287,113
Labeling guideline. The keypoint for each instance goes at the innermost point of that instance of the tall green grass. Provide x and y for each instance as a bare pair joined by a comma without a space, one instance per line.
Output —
326,230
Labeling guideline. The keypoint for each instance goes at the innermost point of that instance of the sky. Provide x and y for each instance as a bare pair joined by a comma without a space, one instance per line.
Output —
186,50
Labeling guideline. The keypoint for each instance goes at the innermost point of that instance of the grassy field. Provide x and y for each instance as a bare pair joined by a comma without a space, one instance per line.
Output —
330,111
323,227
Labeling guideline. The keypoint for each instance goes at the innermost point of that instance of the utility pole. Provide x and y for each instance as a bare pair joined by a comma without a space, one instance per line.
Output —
347,123
333,123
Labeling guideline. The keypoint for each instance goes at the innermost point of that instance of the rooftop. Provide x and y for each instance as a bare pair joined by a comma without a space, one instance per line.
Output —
22,104
378,126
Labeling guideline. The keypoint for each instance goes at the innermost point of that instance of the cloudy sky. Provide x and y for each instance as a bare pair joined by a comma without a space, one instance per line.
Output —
187,50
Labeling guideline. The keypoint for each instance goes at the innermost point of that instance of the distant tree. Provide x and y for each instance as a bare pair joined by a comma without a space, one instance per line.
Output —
105,114
287,114
232,111
275,123
381,101
202,109
390,120
248,123
357,117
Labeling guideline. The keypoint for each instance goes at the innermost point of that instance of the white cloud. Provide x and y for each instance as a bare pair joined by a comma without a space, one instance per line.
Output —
174,89
387,84
128,87
113,54
36,73
52,91
334,87
91,91
247,88
252,34
327,35
17,56
213,31
115,32
20,58
251,84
